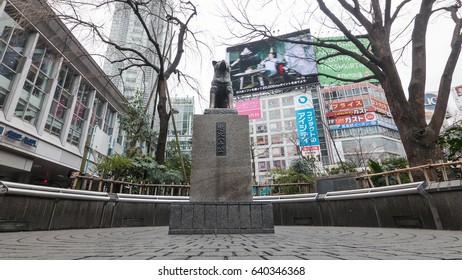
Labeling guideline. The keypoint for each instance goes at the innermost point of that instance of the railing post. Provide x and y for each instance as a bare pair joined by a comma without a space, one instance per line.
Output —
369,180
100,185
398,177
74,182
409,173
90,184
427,177
387,180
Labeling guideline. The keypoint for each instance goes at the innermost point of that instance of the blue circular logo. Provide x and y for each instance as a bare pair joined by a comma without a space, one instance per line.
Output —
302,99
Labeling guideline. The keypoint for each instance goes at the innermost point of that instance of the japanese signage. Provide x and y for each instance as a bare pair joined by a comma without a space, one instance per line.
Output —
306,121
340,66
352,118
350,112
337,106
381,107
249,107
17,137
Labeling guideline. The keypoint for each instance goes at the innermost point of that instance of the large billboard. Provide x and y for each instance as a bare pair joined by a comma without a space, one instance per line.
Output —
272,64
340,66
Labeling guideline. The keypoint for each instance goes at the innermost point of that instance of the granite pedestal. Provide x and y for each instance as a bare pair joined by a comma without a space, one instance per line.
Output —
221,180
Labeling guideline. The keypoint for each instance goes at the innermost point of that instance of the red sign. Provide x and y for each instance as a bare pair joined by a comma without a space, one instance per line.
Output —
338,106
382,107
354,118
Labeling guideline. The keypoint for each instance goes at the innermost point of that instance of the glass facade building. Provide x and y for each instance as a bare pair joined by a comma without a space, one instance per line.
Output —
53,101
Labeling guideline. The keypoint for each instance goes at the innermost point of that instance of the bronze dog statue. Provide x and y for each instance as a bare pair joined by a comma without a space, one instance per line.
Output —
221,92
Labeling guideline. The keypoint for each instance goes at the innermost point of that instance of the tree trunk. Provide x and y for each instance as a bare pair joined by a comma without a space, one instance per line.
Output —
421,148
163,121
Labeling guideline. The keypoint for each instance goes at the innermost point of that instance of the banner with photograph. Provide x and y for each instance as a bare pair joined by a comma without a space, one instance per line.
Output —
272,64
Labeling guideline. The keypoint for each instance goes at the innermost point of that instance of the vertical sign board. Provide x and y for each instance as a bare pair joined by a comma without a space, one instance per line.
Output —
306,126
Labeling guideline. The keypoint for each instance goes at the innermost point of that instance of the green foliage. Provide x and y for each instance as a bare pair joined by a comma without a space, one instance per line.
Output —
451,143
116,166
173,160
388,164
343,167
136,124
139,168
298,172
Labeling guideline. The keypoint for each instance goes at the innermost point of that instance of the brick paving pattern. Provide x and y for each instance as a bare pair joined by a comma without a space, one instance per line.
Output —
288,243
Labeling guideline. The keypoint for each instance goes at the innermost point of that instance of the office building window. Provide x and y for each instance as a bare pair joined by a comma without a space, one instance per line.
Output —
96,115
276,139
275,127
277,151
274,114
288,101
264,166
109,122
262,128
13,40
262,140
279,164
80,114
36,85
273,103
288,112
61,101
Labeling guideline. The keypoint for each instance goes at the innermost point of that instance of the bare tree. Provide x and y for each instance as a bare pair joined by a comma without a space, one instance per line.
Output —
162,53
378,22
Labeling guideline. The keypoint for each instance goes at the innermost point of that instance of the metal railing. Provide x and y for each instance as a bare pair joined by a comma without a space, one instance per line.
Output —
411,188
442,168
277,189
98,184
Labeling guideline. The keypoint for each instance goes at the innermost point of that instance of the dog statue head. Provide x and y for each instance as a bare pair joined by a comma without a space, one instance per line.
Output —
221,71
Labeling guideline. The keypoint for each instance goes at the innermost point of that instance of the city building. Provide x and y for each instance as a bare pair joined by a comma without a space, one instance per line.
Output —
127,31
274,126
54,99
183,111
360,124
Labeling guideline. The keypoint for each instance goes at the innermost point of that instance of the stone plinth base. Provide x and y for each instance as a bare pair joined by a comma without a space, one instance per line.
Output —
221,218
220,158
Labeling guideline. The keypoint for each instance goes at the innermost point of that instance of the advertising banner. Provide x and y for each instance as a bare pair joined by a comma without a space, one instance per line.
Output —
344,105
249,107
353,118
306,123
270,64
341,66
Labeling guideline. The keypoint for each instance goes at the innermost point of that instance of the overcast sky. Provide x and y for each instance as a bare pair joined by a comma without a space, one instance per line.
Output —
288,14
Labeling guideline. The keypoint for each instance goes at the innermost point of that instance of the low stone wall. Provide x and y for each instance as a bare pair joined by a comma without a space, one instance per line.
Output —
22,213
438,207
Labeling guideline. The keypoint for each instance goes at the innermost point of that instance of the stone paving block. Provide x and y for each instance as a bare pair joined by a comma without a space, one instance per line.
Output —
325,243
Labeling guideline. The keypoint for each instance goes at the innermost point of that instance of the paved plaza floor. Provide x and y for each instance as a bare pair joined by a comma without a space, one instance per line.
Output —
287,243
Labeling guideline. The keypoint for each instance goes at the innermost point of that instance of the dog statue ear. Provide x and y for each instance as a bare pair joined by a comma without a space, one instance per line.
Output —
214,62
